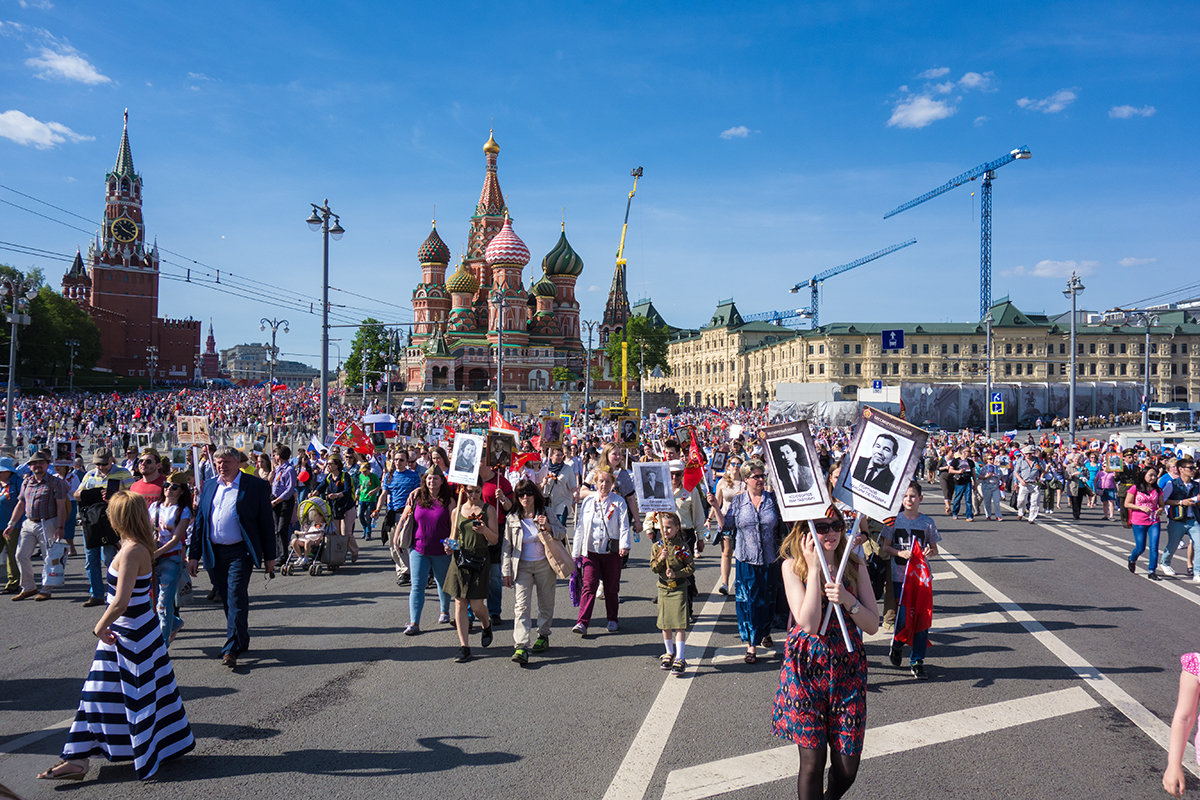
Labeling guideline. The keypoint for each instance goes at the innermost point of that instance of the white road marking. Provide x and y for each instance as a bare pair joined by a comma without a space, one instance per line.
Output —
1138,714
14,745
948,625
944,576
779,763
736,653
633,776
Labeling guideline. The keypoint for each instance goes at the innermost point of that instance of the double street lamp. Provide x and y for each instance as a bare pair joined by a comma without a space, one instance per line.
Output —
590,325
21,291
73,344
1074,287
319,220
273,361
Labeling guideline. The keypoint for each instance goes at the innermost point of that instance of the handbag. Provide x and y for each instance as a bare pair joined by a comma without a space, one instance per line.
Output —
408,527
468,563
558,555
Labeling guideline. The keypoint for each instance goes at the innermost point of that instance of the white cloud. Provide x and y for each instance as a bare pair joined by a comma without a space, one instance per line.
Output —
25,130
1054,269
979,121
975,80
66,63
593,288
917,111
198,76
43,5
1136,262
736,132
944,88
933,73
1127,112
1052,104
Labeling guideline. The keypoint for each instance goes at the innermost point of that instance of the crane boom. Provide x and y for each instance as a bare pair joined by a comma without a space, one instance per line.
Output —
969,175
636,173
988,171
814,283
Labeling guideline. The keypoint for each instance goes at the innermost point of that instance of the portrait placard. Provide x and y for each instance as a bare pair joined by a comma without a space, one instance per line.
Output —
193,430
64,453
627,432
500,447
800,489
179,458
551,433
880,462
718,462
465,460
652,485
143,440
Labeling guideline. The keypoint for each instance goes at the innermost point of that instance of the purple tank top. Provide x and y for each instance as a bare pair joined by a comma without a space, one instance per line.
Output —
433,525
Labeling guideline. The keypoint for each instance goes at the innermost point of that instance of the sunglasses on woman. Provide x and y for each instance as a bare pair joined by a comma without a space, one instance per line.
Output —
826,527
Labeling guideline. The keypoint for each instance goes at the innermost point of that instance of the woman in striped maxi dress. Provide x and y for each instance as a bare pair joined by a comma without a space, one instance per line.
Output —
130,709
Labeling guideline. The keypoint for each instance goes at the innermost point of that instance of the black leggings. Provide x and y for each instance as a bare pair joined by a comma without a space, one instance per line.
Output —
843,769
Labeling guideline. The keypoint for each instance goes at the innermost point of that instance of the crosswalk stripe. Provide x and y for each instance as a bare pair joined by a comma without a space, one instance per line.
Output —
779,763
949,624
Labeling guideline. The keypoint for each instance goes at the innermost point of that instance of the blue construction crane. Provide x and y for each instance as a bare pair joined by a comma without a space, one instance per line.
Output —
778,317
814,284
988,171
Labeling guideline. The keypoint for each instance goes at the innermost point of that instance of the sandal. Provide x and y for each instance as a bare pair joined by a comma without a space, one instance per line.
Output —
767,641
751,658
56,772
665,661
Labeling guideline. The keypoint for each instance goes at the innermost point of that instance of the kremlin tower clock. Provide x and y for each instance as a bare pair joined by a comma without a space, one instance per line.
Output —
117,285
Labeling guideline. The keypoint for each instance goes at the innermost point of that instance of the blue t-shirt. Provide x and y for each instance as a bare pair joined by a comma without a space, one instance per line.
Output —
399,485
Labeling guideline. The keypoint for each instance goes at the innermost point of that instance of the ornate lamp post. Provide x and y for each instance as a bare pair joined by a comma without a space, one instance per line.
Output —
21,291
319,220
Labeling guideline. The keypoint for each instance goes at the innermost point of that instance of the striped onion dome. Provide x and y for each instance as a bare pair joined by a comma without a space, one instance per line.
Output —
433,250
544,287
506,248
562,259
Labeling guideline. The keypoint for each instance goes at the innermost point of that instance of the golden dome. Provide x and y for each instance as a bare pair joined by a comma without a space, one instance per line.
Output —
490,145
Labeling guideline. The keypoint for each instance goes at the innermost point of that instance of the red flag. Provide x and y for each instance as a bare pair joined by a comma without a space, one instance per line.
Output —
693,470
916,597
520,460
497,422
355,437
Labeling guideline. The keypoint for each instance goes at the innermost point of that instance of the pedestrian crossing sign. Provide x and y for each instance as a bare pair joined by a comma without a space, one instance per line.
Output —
997,408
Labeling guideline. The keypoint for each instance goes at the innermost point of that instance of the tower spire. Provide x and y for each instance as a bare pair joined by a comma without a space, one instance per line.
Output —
124,166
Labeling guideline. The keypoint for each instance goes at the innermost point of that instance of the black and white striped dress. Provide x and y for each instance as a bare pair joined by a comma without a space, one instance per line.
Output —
130,708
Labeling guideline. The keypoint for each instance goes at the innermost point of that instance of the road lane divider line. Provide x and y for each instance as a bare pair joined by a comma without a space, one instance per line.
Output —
780,763
949,625
20,743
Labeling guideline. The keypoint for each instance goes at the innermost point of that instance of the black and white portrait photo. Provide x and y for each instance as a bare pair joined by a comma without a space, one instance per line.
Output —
500,446
627,432
551,432
405,427
465,460
880,461
718,462
652,484
64,453
800,489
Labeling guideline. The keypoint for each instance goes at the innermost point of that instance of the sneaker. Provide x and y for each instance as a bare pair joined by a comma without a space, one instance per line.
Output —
496,619
894,657
1168,570
1132,566
723,589
443,619
1152,576
1196,579
918,669
540,645
579,628
485,638
679,666
412,630
520,656
404,580
464,655
665,661
612,626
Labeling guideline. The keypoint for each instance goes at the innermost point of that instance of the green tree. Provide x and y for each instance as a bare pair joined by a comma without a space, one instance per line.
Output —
42,348
642,337
563,374
370,339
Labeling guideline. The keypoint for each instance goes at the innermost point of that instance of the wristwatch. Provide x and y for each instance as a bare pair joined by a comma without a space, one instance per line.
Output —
854,608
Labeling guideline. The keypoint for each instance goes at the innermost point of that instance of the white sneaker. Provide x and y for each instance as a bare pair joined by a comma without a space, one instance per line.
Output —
1167,570
1196,578
612,626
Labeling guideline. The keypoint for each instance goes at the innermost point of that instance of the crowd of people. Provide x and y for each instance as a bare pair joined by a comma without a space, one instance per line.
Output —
563,512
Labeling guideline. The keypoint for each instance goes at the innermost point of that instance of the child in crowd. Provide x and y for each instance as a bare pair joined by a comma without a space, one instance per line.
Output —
1183,724
670,560
896,540
314,524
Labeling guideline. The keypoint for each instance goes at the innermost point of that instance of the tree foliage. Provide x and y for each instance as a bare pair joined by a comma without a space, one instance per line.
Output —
370,339
642,336
41,346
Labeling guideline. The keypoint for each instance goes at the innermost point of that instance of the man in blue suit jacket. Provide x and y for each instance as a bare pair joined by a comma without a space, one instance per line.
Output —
234,532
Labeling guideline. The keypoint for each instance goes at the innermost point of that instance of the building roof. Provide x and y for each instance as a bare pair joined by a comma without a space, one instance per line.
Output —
562,258
124,166
726,316
506,247
433,250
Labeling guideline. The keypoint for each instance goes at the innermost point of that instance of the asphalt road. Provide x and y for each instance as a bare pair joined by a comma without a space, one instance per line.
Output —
1052,673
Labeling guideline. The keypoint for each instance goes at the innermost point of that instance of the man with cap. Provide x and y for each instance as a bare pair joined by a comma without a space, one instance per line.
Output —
43,503
10,489
1028,474
96,559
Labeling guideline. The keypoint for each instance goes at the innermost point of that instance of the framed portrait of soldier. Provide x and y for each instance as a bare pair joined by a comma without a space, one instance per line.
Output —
627,432
500,447
652,485
405,428
179,458
791,456
143,440
64,453
880,462
718,462
551,432
465,460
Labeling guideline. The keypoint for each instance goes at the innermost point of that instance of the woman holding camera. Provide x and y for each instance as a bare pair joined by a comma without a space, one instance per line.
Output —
472,531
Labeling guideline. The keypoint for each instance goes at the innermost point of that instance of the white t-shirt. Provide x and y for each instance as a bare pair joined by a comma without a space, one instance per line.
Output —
531,544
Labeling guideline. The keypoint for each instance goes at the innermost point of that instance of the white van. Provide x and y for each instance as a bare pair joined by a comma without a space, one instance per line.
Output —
429,404
409,404
465,406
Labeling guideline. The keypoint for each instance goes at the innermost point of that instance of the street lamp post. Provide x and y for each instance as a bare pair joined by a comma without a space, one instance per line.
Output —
273,360
22,290
500,357
987,351
151,363
590,325
1149,320
73,344
393,346
364,379
319,220
1074,287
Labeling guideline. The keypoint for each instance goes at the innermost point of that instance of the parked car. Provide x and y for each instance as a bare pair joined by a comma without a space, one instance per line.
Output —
465,406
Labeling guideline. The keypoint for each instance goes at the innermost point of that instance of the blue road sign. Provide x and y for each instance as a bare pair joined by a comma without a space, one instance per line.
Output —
997,408
877,385
893,340
997,397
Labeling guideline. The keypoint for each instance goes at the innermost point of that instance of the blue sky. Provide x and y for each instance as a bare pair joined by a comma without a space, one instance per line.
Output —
773,141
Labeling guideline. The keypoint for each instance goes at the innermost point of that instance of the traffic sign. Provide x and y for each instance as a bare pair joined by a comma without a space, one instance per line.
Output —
893,340
997,397
877,385
997,408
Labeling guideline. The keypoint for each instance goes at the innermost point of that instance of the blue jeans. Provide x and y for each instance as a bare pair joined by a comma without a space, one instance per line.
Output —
72,515
420,566
1175,532
167,574
991,500
962,491
495,590
230,574
364,515
95,562
920,639
1139,544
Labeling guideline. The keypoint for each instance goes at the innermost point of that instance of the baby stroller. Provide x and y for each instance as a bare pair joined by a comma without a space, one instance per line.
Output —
330,551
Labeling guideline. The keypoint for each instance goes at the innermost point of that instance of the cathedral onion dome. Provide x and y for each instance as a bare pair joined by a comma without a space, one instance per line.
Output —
563,260
544,288
462,281
490,147
506,248
434,250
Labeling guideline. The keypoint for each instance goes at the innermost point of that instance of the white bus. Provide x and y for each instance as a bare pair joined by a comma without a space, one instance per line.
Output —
1162,418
